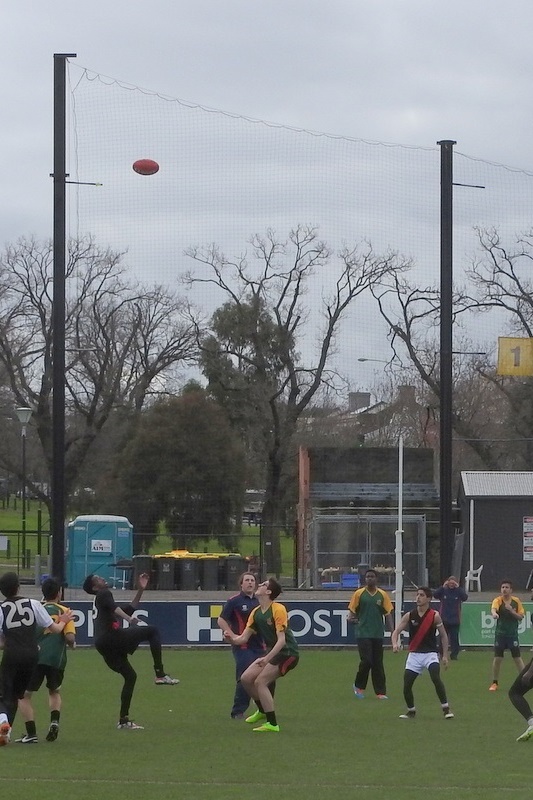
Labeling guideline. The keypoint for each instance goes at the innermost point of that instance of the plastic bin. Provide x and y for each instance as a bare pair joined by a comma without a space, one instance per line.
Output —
166,572
187,572
350,580
144,564
208,569
234,566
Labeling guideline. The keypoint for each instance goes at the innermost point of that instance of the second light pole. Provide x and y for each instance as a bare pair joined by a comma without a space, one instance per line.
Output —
24,415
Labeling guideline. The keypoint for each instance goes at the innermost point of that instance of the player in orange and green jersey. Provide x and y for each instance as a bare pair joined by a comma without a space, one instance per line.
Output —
368,608
508,611
270,621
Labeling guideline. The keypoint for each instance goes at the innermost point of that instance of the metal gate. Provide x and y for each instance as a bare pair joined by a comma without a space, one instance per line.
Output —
348,544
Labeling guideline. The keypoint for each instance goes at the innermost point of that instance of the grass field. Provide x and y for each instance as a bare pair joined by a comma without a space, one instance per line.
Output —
331,745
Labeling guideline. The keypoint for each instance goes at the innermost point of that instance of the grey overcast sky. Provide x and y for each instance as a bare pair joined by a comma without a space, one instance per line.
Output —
406,71
403,71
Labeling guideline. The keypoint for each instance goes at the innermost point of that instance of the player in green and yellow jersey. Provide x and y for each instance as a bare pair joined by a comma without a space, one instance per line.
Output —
369,608
270,621
508,611
51,665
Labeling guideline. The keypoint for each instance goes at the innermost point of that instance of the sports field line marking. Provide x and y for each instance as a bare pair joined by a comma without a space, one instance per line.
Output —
241,784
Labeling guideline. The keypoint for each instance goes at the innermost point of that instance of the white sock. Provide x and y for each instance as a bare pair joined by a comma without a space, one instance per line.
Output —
530,722
3,718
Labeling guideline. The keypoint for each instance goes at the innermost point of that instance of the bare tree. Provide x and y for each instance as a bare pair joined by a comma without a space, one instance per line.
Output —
492,414
123,343
255,355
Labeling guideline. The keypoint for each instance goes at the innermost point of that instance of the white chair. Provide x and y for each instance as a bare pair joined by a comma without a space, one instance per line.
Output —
473,578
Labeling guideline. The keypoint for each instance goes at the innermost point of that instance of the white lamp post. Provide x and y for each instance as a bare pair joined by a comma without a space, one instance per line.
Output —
23,415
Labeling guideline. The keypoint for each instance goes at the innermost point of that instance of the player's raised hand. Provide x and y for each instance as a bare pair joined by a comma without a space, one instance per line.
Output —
143,580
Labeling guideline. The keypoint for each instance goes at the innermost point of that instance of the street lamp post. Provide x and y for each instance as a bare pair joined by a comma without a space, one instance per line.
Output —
23,415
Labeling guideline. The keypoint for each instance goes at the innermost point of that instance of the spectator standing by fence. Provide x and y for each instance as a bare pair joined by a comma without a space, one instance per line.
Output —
451,597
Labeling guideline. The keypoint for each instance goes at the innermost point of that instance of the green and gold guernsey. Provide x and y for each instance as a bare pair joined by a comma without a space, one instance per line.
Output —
52,646
507,625
370,608
267,624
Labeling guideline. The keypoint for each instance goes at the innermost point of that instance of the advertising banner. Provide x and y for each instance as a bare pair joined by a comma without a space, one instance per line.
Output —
313,622
527,535
477,625
195,624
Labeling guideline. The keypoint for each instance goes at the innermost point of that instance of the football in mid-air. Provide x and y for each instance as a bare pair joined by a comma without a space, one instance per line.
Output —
145,166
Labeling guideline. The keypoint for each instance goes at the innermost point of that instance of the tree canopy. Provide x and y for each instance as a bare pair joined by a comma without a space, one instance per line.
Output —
254,354
124,343
183,467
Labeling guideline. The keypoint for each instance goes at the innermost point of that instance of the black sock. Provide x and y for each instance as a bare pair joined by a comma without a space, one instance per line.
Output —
271,717
31,730
54,716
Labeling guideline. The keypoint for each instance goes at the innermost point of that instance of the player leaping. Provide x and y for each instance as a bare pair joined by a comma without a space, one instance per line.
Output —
115,643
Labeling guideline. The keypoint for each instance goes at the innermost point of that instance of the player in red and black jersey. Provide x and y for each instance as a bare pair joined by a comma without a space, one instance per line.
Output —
422,623
115,643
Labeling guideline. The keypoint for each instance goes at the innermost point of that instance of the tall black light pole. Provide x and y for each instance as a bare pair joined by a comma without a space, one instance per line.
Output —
58,318
23,415
446,315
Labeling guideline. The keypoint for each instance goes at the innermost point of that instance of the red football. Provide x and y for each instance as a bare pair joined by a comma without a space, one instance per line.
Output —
145,166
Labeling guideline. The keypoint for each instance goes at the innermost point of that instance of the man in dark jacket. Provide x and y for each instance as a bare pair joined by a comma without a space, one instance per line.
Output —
451,597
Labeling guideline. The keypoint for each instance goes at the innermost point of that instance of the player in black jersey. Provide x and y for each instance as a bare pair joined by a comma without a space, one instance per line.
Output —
115,643
19,619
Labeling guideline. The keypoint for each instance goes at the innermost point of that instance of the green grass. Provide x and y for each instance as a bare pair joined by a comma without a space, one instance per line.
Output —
11,518
330,745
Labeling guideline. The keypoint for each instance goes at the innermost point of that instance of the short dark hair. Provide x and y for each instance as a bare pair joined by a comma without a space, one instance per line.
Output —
274,587
88,584
507,582
427,591
244,574
373,571
9,584
50,588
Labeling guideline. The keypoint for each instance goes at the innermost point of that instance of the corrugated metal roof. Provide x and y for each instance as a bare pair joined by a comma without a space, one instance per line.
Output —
497,484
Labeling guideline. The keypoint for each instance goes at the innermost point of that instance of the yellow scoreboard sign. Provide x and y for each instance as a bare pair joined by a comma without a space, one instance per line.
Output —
515,356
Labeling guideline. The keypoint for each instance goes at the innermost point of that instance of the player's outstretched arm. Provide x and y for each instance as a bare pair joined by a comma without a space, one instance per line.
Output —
402,626
142,583
119,612
62,619
229,636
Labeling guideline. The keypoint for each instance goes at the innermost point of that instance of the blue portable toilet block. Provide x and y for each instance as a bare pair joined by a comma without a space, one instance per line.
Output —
95,542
